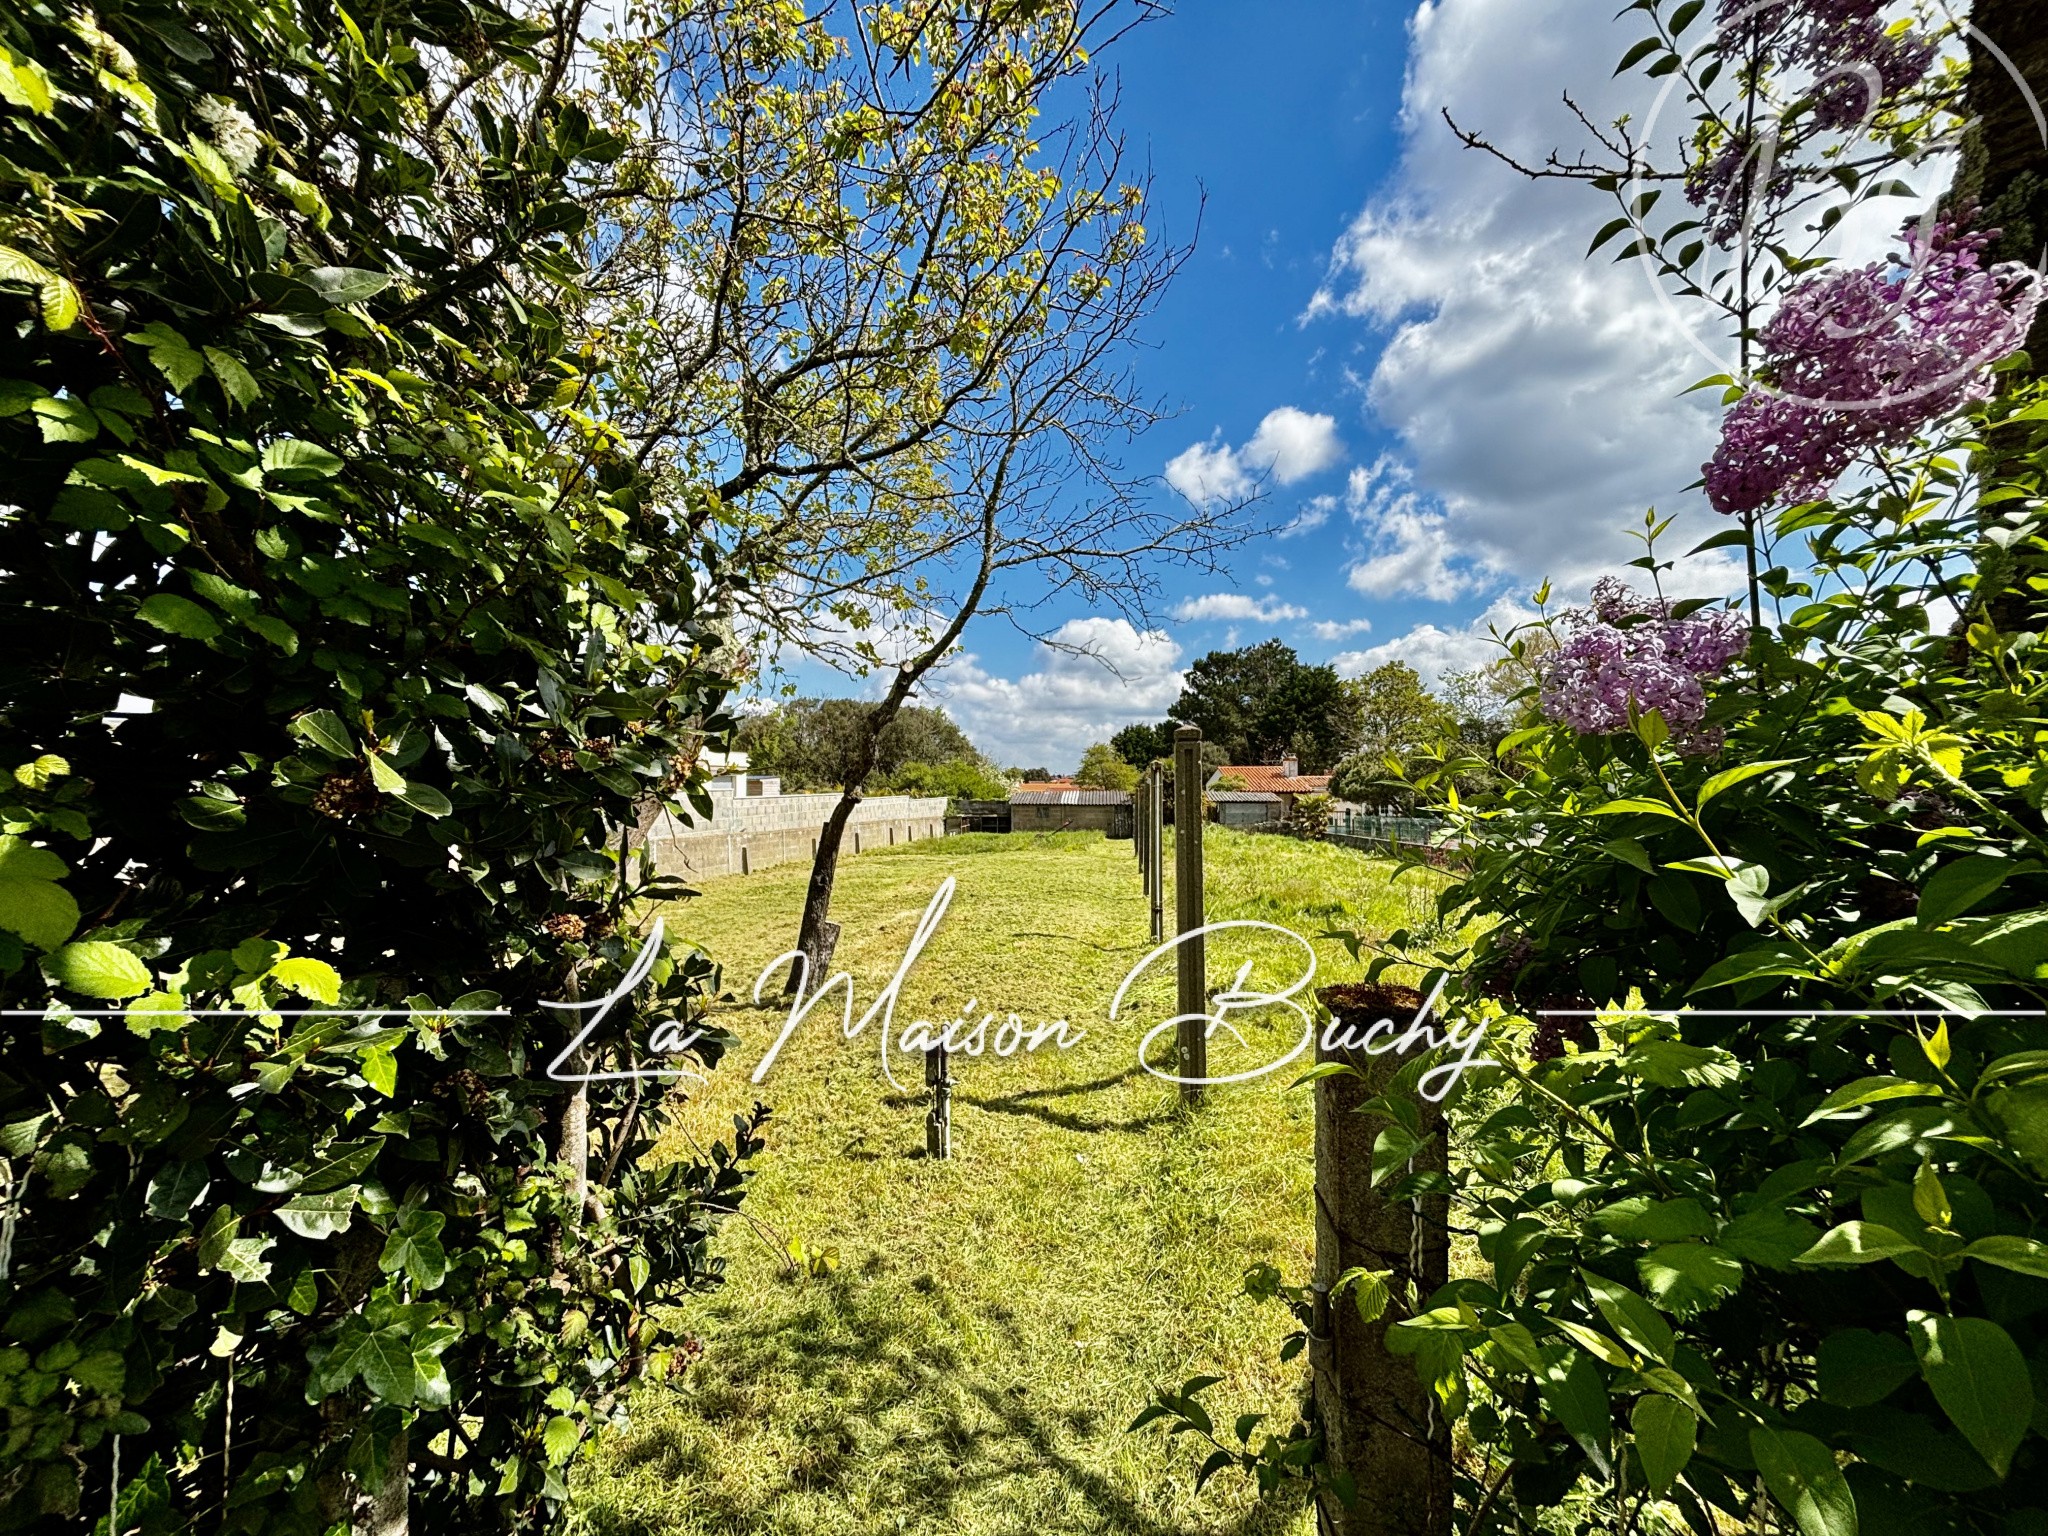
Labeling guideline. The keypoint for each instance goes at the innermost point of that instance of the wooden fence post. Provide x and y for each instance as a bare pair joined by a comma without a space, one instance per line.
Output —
1155,852
1193,953
1382,1427
938,1120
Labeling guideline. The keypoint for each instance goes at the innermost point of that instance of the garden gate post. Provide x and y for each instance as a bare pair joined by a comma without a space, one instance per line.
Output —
1382,1427
1188,907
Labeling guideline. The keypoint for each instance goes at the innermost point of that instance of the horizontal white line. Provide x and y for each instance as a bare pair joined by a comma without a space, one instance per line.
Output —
282,1013
1798,1013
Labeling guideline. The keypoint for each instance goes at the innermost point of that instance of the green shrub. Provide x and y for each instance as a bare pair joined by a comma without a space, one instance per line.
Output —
345,640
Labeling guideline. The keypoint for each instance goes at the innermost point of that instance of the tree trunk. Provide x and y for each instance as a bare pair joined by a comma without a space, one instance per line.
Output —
819,935
572,1146
2004,168
1381,1425
386,1510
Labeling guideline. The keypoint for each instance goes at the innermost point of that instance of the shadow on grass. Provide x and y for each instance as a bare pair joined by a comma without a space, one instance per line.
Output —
1028,1103
888,1424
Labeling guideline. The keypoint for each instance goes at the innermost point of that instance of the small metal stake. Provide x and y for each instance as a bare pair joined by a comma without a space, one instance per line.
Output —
938,1120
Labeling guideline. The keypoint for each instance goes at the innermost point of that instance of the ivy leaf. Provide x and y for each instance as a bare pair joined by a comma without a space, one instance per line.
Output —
415,1246
1803,1477
1665,1430
1979,1377
96,968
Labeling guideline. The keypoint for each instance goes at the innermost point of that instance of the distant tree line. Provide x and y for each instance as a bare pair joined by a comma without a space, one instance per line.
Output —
1375,734
819,744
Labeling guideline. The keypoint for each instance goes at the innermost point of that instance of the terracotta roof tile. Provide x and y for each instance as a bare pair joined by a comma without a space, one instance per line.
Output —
1268,778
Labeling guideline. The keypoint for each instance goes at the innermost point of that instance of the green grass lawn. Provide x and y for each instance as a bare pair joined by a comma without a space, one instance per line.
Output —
995,1320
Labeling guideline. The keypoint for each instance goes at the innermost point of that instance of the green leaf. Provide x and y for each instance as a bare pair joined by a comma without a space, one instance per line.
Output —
1638,1324
561,1438
276,631
424,798
178,616
342,286
319,1216
1576,1397
176,1188
174,356
1728,778
324,729
1664,1429
1979,1377
1684,1278
2021,1254
98,969
1869,1090
314,980
293,456
1855,1368
235,379
343,1162
387,778
1803,1478
380,1071
66,420
42,912
1962,884
26,84
415,1246
1631,807
1859,1242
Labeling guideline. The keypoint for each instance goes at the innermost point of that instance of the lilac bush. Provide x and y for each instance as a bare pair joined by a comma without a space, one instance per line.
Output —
1862,357
1627,651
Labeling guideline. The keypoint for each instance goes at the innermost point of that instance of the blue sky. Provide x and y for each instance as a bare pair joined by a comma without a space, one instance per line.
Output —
1397,340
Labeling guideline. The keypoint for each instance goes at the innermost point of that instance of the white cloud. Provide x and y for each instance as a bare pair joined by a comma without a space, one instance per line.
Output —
1209,473
1340,629
1095,677
1409,542
1289,445
1294,444
1236,605
1310,517
1432,651
1535,394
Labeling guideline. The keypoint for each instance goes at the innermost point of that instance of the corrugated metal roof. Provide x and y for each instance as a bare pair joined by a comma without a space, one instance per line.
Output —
1030,795
1243,797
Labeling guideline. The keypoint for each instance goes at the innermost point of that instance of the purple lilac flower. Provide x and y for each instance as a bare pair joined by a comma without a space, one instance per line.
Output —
1862,357
1626,650
1859,68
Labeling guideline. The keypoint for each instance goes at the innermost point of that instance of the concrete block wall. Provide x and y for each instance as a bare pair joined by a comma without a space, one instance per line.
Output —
745,834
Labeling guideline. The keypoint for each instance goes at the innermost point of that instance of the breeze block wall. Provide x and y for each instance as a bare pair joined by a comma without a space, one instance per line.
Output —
747,833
